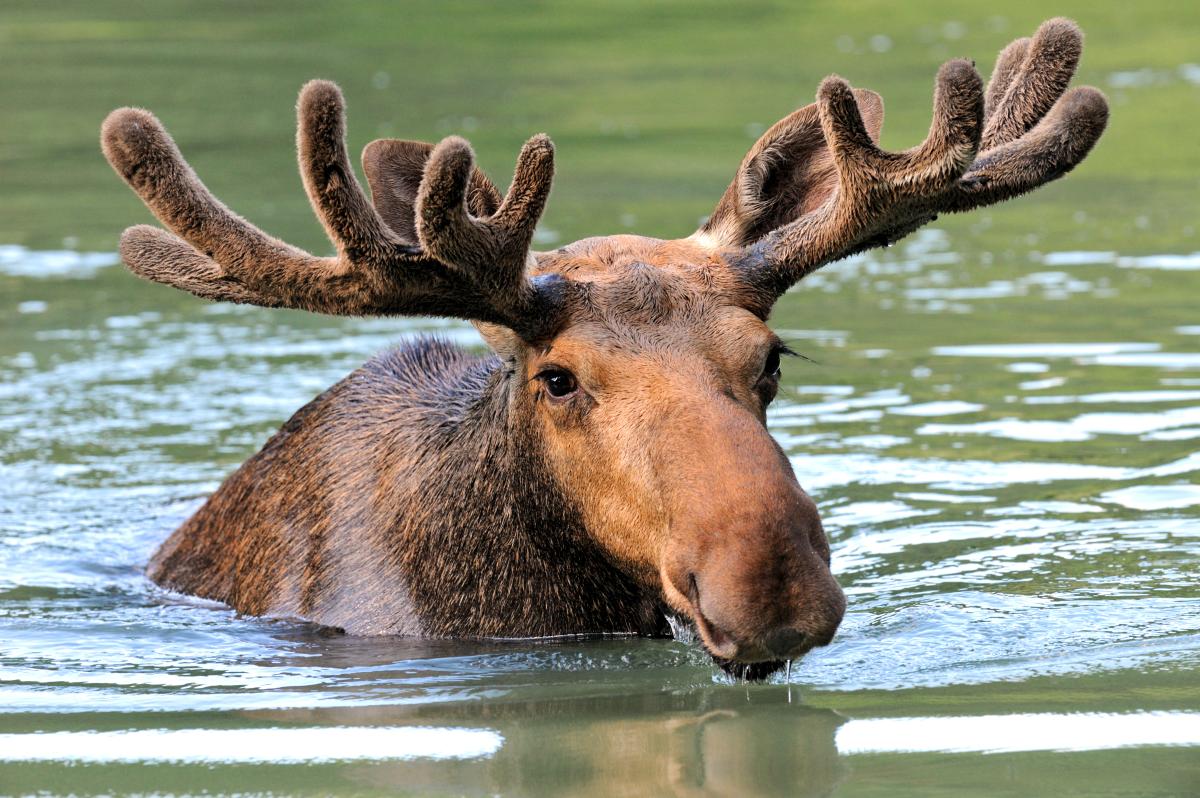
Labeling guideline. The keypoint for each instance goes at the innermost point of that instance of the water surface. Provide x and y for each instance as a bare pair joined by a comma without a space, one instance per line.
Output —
1000,419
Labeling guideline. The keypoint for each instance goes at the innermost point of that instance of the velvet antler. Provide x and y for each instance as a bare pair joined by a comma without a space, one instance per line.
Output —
458,251
817,188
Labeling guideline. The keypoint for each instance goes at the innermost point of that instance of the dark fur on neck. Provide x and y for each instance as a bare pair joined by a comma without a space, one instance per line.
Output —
407,499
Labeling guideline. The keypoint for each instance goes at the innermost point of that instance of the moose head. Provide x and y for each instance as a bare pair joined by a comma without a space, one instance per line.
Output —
629,382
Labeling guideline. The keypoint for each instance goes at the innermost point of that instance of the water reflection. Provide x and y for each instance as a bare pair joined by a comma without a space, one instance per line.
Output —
725,742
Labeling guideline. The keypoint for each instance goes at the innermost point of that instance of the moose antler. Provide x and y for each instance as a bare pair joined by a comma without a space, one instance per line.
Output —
817,188
459,251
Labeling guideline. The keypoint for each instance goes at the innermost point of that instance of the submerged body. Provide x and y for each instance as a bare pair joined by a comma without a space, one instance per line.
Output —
310,528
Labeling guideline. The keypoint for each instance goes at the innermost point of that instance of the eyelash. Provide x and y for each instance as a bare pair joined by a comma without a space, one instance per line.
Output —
777,353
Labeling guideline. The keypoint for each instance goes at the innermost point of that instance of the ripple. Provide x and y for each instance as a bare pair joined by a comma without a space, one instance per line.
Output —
1165,262
1081,428
17,261
823,472
1043,350
1159,360
1155,497
1115,397
946,408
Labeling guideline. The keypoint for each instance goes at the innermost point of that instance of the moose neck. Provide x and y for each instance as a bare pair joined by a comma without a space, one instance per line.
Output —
502,551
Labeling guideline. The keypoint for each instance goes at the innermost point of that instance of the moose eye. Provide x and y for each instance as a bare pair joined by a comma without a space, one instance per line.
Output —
771,367
559,383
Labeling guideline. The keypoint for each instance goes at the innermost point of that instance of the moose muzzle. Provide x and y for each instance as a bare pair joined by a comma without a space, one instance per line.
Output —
747,558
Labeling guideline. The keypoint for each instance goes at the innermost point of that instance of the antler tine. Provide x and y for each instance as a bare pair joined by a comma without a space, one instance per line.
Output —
1037,131
157,255
231,259
1054,147
348,217
1008,63
218,255
876,189
1031,90
1028,131
494,249
140,150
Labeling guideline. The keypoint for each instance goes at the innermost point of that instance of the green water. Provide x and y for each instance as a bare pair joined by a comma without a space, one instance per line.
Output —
1000,422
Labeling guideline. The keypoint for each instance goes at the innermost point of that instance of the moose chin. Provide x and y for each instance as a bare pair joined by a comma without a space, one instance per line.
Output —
608,463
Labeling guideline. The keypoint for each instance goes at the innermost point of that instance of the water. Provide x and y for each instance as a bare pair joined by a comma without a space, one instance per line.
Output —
999,422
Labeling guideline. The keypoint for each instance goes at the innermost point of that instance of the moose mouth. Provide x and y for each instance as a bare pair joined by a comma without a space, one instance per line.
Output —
727,654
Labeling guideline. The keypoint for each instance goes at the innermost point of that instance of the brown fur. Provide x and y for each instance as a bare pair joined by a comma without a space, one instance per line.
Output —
375,547
436,493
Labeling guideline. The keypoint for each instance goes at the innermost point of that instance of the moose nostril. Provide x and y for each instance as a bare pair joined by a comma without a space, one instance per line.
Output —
784,642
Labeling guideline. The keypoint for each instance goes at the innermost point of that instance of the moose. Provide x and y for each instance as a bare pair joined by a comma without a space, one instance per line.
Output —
607,466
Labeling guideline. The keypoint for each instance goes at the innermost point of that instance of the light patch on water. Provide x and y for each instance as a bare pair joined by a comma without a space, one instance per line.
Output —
17,261
1115,397
830,337
839,408
946,498
1041,385
818,471
871,513
278,678
886,542
1147,77
1052,285
1027,368
823,390
1047,507
1013,429
850,418
1095,349
1012,733
946,408
252,746
827,471
1155,497
1078,258
1185,434
1183,465
1081,428
1164,262
874,441
993,290
1161,360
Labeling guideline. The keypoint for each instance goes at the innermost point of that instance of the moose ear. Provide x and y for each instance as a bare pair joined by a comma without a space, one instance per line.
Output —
787,173
394,169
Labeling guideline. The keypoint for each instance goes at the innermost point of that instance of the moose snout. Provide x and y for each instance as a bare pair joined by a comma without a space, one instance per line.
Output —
746,556
760,588
786,642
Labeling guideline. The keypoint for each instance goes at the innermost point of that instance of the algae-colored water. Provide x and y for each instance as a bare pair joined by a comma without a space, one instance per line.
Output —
1000,422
